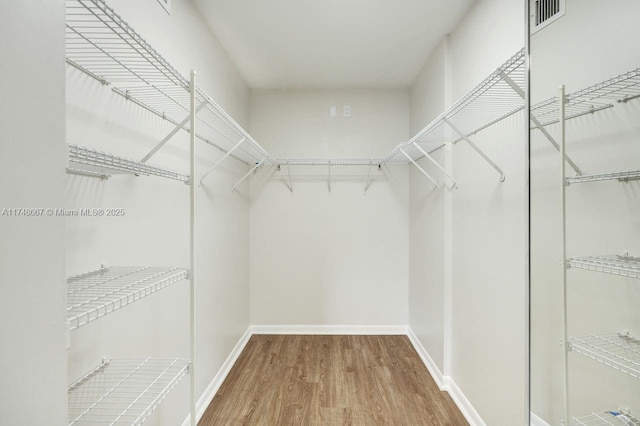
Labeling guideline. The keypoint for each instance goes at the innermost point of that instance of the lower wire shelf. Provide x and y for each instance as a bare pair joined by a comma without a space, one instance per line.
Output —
95,294
607,418
625,266
123,392
620,351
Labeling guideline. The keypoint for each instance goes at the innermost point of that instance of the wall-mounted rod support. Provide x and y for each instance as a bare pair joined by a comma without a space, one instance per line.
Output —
419,168
224,157
435,163
171,134
535,121
289,174
368,183
253,169
476,149
97,175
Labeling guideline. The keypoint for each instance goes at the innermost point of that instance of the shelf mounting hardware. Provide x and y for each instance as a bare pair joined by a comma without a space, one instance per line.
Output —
224,157
536,122
423,171
253,170
78,172
435,163
475,148
369,182
172,133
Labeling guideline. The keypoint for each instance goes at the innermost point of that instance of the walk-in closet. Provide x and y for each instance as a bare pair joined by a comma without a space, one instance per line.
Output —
246,212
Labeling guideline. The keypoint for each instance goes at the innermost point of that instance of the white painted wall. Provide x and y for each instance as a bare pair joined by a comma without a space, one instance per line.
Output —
602,217
486,297
155,229
32,160
339,258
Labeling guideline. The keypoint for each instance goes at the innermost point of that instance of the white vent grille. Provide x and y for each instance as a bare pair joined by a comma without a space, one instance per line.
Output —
544,12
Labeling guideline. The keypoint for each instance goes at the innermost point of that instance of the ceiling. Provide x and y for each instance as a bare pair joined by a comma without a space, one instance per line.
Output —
330,43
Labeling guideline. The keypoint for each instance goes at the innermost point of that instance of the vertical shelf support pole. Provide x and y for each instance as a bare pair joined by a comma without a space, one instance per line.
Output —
565,334
192,246
423,171
435,163
475,148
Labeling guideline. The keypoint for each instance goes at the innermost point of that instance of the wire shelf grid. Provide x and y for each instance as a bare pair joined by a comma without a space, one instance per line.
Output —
328,161
496,98
607,418
102,45
91,160
626,266
123,392
606,94
620,351
95,294
620,176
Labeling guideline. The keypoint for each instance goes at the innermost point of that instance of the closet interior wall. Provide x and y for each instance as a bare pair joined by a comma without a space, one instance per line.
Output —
468,266
32,276
330,253
602,217
155,227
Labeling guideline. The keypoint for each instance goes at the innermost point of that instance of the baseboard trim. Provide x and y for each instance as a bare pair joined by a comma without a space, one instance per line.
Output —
426,359
537,420
211,390
330,329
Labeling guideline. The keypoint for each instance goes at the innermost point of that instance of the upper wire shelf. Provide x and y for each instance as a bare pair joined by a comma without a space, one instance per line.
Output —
607,418
619,89
103,164
101,44
95,294
328,161
497,97
620,176
623,265
620,351
123,392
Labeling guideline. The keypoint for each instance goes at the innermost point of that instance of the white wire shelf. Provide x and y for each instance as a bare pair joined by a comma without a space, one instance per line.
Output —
123,392
499,96
620,176
626,266
619,89
607,418
95,294
96,162
620,351
328,161
102,45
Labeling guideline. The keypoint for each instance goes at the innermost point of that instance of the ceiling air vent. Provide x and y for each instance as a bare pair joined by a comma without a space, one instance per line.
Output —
544,12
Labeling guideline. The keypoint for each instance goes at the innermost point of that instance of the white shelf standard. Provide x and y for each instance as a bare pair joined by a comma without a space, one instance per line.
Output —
622,265
123,392
98,293
93,162
620,351
607,418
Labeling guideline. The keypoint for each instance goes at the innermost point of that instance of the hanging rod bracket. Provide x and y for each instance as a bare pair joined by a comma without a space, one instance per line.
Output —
435,163
423,171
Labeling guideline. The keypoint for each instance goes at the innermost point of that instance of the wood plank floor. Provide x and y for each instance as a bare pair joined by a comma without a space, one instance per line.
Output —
330,380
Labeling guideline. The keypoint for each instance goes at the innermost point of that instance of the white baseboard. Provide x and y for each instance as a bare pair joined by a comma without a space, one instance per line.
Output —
330,329
212,389
426,359
446,383
537,420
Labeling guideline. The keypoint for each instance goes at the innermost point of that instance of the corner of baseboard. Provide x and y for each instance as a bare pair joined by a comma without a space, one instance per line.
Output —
426,358
211,390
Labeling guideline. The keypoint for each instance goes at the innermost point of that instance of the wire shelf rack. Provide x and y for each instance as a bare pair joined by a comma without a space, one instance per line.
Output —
607,418
619,89
622,265
496,98
620,351
328,161
93,161
123,392
102,45
620,176
95,294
